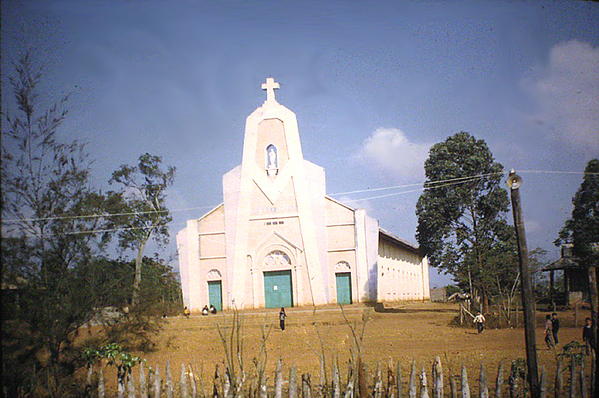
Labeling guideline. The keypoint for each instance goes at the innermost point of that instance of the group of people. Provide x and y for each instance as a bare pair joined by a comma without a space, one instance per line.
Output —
205,311
552,326
552,329
208,310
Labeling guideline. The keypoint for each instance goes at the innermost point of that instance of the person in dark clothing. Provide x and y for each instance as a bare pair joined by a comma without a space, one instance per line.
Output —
554,327
212,309
282,317
588,335
548,332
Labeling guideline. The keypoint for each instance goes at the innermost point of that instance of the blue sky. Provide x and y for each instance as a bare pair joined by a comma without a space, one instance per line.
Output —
373,84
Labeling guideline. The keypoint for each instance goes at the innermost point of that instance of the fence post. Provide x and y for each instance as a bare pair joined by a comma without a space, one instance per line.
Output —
412,392
465,386
453,385
484,389
263,388
227,384
572,379
101,383
583,391
437,378
292,382
88,380
349,391
499,381
543,383
169,380
398,380
279,380
513,380
130,385
336,387
362,382
183,382
120,389
143,384
192,382
423,383
306,388
157,383
559,380
389,392
378,387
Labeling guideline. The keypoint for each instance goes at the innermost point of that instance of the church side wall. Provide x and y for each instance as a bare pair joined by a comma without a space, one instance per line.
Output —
401,274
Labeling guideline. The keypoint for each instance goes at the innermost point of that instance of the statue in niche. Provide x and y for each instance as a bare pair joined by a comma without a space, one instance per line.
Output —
271,168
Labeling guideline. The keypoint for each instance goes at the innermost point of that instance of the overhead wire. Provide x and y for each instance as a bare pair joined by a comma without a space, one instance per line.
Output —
424,185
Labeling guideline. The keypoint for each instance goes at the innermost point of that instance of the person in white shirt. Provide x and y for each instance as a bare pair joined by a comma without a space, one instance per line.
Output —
479,319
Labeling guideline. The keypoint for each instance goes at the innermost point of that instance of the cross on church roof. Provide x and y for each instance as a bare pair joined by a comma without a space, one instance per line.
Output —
270,87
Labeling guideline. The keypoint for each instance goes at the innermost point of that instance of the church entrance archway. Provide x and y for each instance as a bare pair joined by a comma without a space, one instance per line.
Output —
278,289
343,280
215,294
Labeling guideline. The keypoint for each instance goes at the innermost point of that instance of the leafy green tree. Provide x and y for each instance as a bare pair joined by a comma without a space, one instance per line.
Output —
142,208
462,224
48,224
582,230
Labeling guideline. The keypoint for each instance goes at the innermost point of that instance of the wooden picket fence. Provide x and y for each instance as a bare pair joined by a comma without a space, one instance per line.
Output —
569,381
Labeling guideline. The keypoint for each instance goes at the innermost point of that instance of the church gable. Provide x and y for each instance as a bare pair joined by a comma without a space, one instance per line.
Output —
338,213
213,221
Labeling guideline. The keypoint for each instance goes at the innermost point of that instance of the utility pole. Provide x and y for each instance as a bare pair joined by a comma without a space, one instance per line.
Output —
514,182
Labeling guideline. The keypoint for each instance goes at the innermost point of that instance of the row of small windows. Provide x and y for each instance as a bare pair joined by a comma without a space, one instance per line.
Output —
274,222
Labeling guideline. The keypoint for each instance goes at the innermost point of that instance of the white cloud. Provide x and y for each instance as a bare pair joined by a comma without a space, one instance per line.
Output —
391,151
568,95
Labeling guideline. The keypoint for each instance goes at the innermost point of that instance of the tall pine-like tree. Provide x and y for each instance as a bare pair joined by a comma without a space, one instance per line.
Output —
142,208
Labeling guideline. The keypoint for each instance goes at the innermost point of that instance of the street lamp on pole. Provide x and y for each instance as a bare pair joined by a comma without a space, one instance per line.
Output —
514,181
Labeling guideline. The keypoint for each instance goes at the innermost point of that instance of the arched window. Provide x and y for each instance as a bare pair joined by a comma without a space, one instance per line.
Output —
277,259
342,266
214,275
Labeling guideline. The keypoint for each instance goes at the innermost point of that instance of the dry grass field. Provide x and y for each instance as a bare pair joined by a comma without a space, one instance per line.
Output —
404,332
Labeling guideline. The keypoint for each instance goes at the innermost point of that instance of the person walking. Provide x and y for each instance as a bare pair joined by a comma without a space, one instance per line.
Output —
282,317
548,332
479,319
588,336
555,327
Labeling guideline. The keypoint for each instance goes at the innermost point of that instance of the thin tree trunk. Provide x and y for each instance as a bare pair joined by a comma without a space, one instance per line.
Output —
138,266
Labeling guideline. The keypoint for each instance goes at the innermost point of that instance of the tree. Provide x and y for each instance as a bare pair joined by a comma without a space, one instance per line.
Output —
142,209
47,208
462,224
582,230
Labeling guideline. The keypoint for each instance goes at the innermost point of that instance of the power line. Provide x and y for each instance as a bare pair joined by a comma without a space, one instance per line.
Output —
424,185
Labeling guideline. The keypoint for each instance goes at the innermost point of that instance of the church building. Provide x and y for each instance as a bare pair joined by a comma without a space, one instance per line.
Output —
278,240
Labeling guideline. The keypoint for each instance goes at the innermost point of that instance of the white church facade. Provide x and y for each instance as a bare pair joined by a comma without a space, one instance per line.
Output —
278,240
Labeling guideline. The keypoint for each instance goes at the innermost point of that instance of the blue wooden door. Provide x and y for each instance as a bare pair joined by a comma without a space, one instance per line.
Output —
343,287
215,294
277,289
